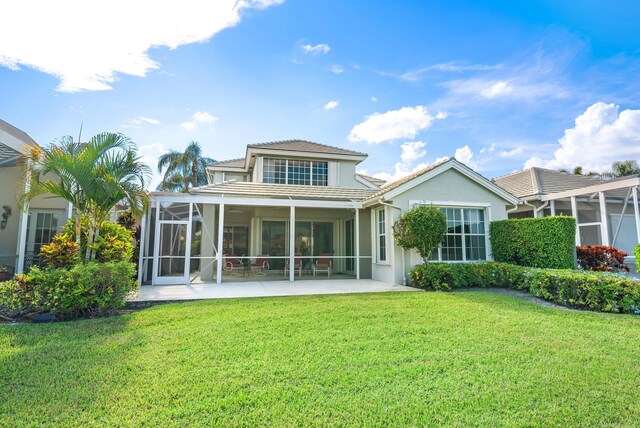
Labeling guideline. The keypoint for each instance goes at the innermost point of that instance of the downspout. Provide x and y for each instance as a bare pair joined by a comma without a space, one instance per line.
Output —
381,201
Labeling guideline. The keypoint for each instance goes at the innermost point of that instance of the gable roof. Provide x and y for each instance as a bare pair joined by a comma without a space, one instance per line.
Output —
231,163
400,186
378,182
304,146
12,143
536,181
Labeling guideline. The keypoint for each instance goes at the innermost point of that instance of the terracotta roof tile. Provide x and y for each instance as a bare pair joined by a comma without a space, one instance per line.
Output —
305,146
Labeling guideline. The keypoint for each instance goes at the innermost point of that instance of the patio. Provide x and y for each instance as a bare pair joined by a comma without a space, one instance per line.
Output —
155,293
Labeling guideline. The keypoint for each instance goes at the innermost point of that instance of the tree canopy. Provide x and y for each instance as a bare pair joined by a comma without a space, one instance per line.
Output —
423,228
183,170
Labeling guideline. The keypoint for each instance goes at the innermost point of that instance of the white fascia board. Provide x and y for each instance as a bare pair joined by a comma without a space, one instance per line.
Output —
223,168
619,184
366,182
263,202
467,172
12,142
300,154
450,204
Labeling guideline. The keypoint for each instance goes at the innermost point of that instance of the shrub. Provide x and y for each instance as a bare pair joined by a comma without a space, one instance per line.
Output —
91,289
61,252
547,242
601,258
599,291
423,228
114,243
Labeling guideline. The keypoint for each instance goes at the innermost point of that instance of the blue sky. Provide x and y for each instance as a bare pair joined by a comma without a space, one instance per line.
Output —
499,84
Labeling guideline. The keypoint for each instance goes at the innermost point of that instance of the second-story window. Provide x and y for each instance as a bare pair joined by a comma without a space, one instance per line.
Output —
293,171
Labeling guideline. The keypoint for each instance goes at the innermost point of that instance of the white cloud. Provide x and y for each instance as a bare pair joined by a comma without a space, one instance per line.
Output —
78,43
136,123
497,89
199,118
374,99
331,105
149,154
465,155
412,151
452,67
321,48
442,115
601,136
337,69
511,153
406,122
490,149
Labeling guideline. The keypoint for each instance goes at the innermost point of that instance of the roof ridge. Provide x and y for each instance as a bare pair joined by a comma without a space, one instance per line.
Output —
269,143
227,160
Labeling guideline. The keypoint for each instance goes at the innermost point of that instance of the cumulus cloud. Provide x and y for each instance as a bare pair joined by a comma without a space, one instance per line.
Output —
331,105
412,151
318,49
337,69
465,155
406,122
601,136
523,88
138,122
198,118
511,153
76,42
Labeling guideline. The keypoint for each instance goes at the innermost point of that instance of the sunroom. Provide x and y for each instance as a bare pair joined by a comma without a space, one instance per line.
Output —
216,237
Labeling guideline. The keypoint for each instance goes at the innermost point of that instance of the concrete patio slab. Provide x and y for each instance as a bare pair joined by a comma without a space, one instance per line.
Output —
158,293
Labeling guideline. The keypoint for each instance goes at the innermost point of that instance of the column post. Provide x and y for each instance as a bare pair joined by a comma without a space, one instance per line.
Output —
636,213
604,223
292,242
574,213
553,207
357,237
220,243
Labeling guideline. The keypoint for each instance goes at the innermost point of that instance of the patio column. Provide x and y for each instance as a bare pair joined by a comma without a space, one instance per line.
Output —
634,191
604,224
220,243
69,211
357,226
553,208
292,243
143,236
574,213
22,225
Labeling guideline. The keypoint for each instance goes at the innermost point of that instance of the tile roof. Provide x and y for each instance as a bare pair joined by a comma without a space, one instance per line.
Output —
406,179
305,146
283,191
234,163
540,181
373,180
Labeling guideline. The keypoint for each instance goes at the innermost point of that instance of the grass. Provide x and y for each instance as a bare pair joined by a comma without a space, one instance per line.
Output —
392,359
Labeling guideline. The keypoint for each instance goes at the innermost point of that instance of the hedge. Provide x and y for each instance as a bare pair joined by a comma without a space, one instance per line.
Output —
547,242
91,289
597,291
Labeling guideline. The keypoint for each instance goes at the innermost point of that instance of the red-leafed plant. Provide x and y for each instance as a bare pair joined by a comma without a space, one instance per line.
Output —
601,258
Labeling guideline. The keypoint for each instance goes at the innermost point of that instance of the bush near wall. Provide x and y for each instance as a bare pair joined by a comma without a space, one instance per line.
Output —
597,291
602,258
547,242
89,290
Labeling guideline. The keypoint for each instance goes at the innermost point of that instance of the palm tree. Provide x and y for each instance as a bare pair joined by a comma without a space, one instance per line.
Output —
184,169
92,176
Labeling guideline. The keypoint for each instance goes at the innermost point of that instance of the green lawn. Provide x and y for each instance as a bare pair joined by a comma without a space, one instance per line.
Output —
392,359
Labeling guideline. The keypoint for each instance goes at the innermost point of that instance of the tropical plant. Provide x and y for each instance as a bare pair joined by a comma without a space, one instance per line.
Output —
423,229
92,176
183,169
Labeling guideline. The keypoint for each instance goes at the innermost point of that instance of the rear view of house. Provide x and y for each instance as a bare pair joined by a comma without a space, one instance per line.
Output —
289,205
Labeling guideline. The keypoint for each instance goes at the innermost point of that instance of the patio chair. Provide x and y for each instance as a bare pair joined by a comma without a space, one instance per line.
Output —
259,265
323,264
233,264
297,264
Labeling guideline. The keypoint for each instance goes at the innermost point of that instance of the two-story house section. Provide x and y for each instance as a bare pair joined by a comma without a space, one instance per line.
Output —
297,209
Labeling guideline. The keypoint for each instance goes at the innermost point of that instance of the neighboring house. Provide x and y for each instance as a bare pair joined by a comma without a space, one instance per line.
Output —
22,234
606,210
289,205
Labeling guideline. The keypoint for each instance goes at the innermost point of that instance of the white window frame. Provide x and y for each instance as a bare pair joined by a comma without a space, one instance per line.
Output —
486,208
380,236
286,173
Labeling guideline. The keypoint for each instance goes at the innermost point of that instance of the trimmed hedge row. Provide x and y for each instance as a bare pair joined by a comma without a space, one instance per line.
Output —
547,242
597,291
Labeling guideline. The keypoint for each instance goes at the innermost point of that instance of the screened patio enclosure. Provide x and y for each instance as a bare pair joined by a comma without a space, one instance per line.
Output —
187,239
